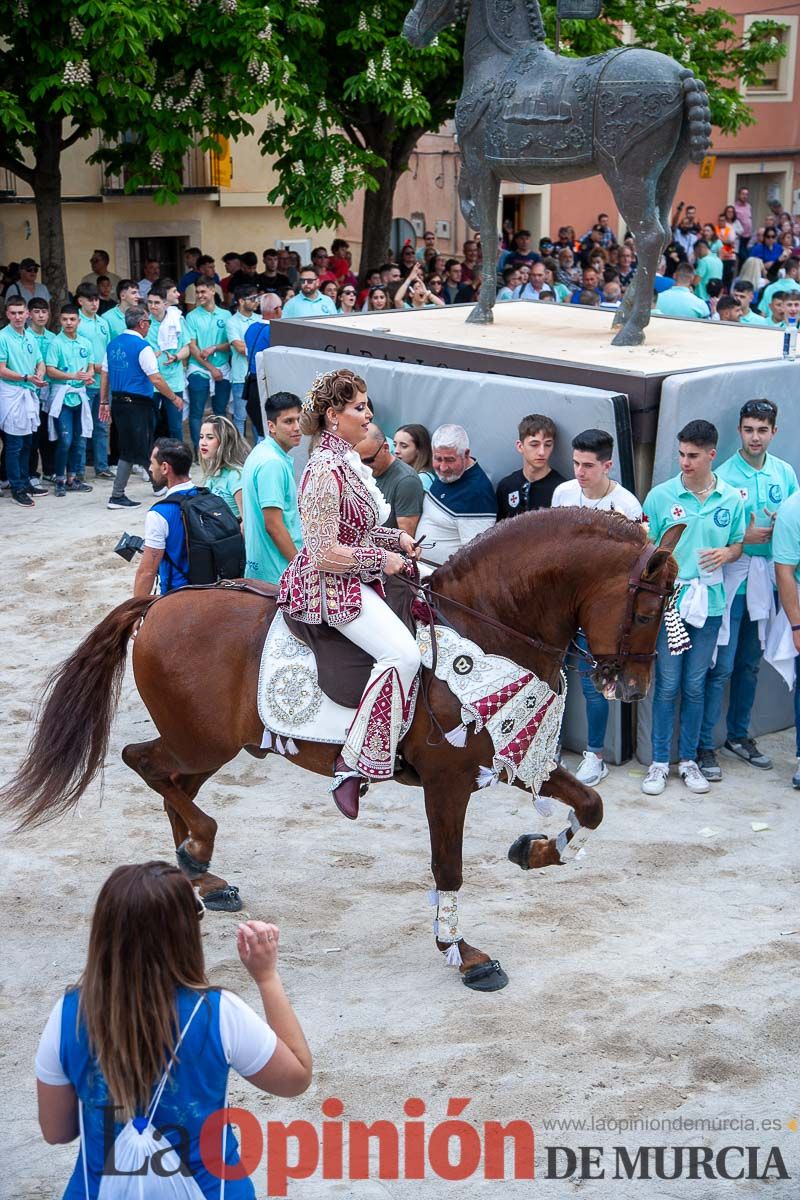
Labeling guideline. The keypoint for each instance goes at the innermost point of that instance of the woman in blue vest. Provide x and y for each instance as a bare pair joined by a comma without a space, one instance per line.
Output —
110,1040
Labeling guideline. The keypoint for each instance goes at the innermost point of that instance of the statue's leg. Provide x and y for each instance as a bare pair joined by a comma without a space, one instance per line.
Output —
636,199
485,191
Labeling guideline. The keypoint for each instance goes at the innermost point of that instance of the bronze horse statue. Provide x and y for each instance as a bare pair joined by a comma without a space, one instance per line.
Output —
540,576
632,115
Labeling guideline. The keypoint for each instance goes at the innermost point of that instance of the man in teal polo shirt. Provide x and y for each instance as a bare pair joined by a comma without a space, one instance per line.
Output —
127,297
680,300
209,358
764,483
21,376
310,302
743,291
272,530
786,555
706,267
247,306
170,361
96,331
70,369
713,513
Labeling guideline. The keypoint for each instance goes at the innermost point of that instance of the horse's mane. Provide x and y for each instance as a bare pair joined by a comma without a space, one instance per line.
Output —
508,538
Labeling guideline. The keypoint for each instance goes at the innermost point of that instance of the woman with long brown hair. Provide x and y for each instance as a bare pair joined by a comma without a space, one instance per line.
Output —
337,577
113,1037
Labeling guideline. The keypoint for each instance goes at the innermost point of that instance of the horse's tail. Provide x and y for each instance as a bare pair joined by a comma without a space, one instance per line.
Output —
70,741
698,114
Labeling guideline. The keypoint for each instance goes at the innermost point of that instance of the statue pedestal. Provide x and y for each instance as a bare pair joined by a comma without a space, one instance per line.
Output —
556,342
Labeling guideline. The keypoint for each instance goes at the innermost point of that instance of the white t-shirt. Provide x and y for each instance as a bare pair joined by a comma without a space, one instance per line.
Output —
619,499
247,1040
155,525
147,356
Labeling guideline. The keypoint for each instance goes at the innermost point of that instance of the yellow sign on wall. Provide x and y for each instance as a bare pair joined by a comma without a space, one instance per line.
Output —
222,163
707,166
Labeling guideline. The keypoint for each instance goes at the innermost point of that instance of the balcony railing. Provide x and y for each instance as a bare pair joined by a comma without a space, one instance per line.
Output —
8,184
200,175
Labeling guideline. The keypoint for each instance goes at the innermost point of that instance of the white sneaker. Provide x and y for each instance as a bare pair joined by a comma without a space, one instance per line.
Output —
140,471
693,777
592,769
655,780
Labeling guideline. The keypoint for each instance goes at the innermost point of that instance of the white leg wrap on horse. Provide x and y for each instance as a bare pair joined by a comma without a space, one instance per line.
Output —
567,850
446,924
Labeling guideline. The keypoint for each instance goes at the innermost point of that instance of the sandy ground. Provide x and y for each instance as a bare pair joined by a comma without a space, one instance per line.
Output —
655,979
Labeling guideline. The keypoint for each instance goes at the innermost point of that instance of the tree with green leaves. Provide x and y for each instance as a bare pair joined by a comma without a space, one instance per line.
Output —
360,96
154,78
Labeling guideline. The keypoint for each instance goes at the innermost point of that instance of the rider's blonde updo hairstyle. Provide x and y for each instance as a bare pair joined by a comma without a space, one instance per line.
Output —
334,390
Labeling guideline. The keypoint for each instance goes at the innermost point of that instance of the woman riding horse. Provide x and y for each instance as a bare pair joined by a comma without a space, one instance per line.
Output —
337,578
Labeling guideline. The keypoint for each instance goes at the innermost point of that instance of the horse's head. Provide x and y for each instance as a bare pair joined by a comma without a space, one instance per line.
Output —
429,17
622,618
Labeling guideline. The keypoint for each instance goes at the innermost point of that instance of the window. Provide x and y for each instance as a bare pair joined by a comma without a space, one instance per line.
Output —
777,83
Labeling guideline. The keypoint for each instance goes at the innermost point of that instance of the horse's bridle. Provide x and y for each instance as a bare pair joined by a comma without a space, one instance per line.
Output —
623,652
636,584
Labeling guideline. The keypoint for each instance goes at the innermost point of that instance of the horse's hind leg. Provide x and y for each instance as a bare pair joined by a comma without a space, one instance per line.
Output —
532,850
446,809
193,830
636,199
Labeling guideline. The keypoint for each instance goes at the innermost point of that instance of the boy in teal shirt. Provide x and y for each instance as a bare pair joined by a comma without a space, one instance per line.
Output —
209,358
272,530
41,446
764,483
96,331
70,369
713,514
171,362
247,304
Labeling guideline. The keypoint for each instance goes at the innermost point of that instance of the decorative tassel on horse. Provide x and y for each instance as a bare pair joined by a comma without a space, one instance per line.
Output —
457,737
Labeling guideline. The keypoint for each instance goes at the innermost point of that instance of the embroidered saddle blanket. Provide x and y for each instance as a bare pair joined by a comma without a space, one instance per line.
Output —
519,711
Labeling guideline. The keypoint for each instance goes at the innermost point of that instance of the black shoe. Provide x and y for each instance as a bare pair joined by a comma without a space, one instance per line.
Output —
22,498
709,766
78,485
123,502
35,490
746,749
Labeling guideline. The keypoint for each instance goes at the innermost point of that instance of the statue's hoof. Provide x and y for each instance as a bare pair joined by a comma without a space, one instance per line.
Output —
480,316
629,337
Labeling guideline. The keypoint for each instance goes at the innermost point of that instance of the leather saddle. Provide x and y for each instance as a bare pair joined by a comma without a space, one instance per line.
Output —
342,668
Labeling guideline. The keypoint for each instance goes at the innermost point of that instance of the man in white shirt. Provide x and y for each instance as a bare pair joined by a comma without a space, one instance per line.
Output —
593,487
152,272
461,502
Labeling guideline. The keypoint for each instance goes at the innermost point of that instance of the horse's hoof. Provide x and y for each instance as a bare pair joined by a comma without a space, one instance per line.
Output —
223,899
190,865
519,852
629,337
480,316
486,977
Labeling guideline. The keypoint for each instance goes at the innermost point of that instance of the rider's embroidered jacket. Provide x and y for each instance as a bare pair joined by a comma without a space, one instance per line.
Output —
344,543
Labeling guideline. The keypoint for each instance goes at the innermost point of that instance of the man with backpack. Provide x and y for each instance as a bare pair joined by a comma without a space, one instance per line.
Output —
189,536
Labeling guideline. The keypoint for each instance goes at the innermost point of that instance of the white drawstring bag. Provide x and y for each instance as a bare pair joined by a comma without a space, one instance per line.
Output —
135,1146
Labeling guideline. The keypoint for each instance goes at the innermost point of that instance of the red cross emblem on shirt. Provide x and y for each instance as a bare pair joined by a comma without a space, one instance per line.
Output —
676,512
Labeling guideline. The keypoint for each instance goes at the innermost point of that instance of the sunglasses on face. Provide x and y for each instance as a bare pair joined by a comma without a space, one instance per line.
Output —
348,292
308,279
369,461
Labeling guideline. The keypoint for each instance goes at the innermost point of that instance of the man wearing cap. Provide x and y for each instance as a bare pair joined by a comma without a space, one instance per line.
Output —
27,286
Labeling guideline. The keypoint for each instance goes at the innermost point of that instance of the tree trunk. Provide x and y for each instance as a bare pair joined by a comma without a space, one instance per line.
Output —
376,227
46,185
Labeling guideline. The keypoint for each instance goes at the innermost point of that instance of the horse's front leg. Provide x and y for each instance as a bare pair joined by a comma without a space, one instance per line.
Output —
532,850
446,798
485,191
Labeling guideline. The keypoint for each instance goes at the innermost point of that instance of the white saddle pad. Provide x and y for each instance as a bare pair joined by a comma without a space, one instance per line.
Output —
290,701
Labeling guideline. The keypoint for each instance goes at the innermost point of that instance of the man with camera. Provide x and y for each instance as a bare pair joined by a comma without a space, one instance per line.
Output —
129,375
165,551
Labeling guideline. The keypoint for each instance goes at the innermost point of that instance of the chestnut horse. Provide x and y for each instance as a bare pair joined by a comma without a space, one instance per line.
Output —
529,584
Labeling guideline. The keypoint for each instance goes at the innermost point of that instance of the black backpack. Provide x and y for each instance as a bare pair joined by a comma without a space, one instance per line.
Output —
213,538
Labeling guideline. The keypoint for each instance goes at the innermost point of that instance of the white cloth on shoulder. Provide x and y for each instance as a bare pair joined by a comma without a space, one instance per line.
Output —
693,606
169,330
58,392
780,651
